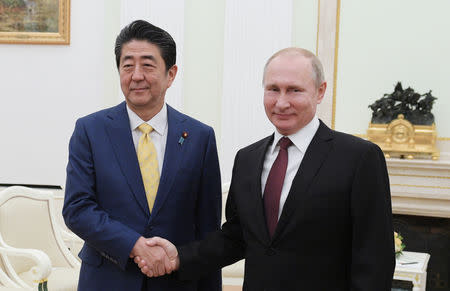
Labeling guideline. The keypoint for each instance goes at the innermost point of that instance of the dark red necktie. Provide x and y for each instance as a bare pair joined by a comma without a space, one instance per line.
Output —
274,184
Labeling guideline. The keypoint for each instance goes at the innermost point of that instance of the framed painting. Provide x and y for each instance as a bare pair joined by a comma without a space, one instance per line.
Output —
35,21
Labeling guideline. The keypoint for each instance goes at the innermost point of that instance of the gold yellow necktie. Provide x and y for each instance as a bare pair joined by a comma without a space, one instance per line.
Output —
148,162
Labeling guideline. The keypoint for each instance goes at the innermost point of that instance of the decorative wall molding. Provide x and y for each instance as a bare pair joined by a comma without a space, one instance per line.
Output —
420,187
327,51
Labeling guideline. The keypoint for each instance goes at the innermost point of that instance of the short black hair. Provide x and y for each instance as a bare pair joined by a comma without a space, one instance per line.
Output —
143,30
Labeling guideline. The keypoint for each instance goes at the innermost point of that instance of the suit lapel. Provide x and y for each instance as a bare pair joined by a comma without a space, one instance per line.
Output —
172,157
259,155
312,161
119,133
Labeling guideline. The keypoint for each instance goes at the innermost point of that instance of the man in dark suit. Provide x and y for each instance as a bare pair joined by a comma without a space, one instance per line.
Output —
141,169
308,208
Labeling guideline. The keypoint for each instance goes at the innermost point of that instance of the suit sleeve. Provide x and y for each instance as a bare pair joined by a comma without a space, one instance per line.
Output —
82,214
209,207
220,248
373,258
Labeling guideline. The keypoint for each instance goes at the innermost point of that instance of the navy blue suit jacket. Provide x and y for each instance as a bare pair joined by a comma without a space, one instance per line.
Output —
105,202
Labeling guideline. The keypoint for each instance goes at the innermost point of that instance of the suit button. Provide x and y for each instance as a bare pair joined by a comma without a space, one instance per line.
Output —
270,252
150,228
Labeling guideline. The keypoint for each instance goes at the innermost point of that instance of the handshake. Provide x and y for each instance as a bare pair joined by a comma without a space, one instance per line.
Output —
155,256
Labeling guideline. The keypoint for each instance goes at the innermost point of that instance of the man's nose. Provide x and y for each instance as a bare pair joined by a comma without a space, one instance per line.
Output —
283,101
137,74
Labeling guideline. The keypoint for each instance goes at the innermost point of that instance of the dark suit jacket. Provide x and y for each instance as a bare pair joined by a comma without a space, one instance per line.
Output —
105,202
335,231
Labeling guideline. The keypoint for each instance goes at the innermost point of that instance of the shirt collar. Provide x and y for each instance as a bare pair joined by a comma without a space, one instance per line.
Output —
302,138
158,122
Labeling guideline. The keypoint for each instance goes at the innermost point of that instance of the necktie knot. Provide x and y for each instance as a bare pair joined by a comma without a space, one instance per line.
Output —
145,128
285,142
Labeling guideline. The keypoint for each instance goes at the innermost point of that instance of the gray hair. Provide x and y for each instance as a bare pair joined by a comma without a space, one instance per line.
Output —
317,69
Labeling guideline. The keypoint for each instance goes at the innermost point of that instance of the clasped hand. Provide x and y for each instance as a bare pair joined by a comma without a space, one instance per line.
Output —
155,256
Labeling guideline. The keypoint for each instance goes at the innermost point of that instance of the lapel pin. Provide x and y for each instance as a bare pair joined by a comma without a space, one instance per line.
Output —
183,136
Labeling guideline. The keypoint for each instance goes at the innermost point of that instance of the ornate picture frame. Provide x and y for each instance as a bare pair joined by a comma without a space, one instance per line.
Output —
35,21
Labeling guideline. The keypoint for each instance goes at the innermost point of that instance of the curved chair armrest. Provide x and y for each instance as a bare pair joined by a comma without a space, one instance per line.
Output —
40,272
45,199
70,237
72,241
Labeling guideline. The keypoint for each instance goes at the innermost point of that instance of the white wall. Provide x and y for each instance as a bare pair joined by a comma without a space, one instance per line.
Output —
44,88
222,47
203,61
382,42
254,30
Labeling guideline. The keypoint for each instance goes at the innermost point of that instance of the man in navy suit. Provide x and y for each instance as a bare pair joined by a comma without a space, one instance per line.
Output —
105,199
309,208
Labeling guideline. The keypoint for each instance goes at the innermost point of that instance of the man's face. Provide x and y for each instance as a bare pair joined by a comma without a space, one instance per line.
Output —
143,76
290,94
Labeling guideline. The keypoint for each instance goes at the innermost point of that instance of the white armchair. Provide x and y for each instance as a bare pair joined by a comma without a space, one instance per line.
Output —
72,241
36,263
232,275
27,221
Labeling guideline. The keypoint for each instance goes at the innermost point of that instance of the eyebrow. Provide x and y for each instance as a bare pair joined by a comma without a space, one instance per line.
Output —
145,57
270,85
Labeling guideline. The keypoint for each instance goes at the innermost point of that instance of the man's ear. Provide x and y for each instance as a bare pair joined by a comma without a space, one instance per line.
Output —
321,92
171,74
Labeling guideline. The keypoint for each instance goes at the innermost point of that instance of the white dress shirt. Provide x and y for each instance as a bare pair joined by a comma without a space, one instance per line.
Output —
300,142
158,135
